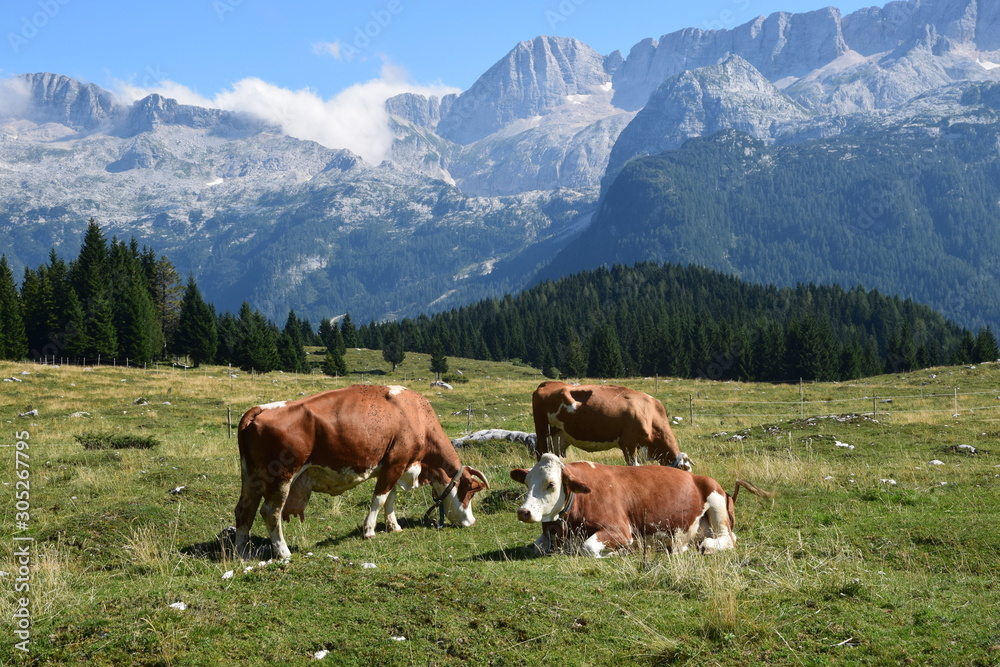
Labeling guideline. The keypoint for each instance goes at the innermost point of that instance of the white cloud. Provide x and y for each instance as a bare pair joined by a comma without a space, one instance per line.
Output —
355,118
15,95
329,49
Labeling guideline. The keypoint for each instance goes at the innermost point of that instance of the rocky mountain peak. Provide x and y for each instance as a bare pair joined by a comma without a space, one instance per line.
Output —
732,94
535,77
60,99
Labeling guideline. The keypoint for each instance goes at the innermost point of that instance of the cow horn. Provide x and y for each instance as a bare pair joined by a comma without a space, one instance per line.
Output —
476,473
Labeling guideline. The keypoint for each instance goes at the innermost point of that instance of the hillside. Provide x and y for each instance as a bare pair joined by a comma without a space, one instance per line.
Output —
910,211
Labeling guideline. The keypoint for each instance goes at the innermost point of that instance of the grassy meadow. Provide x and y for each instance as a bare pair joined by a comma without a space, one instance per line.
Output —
870,555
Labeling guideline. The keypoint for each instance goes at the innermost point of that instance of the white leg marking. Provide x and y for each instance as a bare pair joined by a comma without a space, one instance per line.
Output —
592,547
272,517
368,528
390,512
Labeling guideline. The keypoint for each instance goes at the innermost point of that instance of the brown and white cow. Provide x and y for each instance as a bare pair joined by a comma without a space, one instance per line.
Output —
333,441
595,417
598,507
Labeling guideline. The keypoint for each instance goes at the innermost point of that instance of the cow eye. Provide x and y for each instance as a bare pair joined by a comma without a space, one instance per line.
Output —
551,486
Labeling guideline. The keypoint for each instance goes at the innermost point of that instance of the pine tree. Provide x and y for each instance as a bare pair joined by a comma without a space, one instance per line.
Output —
986,346
87,273
575,362
138,329
13,339
331,336
334,364
291,354
257,346
349,332
77,341
167,290
196,334
393,347
605,357
439,362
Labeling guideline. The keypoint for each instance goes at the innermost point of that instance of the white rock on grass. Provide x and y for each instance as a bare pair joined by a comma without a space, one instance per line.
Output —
179,606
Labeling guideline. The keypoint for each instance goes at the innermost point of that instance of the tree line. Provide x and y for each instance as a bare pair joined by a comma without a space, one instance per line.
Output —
687,321
117,301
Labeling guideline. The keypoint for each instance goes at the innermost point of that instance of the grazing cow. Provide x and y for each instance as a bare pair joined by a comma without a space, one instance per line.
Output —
333,441
607,507
595,417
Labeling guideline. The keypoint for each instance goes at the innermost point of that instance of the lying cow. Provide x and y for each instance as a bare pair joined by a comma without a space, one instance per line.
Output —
607,507
595,417
333,441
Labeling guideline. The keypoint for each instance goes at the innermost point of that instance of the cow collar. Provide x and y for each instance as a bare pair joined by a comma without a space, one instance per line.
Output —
439,501
566,507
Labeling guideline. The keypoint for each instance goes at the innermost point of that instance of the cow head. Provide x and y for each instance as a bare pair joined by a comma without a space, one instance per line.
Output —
458,500
549,482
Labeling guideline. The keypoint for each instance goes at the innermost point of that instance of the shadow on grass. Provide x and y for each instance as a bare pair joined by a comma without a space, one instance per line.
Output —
528,552
223,548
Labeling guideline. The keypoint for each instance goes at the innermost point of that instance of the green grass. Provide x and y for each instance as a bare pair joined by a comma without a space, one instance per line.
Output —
841,569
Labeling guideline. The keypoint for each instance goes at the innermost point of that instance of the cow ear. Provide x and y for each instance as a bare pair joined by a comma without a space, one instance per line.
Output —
573,484
519,475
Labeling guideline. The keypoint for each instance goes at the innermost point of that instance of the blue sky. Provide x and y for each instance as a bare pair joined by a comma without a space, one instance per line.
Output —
322,70
208,45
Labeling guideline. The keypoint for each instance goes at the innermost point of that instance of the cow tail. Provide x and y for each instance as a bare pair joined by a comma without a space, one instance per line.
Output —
760,493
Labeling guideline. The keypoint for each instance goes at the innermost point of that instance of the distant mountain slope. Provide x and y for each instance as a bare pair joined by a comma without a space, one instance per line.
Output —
480,189
913,211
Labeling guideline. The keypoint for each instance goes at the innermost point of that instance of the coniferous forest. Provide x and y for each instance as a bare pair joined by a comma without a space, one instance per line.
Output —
688,321
115,301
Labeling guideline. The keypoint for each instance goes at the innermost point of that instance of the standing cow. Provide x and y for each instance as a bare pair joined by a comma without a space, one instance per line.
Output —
333,441
595,417
601,507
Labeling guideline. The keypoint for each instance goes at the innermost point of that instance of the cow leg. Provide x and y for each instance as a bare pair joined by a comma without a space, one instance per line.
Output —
718,520
378,500
274,501
251,492
390,512
557,442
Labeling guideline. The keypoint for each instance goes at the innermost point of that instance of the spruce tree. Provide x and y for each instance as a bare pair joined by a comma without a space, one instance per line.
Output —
439,362
334,364
291,353
349,332
605,356
575,362
257,345
331,336
77,341
986,346
13,339
196,335
393,347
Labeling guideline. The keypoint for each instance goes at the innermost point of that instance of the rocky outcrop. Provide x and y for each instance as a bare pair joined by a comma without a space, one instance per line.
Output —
534,78
60,99
730,95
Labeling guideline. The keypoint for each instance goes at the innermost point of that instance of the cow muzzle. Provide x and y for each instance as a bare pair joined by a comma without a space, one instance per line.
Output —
525,515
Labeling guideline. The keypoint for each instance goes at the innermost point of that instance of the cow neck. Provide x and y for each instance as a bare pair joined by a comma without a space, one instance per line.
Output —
564,512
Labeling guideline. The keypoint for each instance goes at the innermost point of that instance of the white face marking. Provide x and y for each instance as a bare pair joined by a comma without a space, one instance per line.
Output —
396,390
545,497
458,515
271,406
